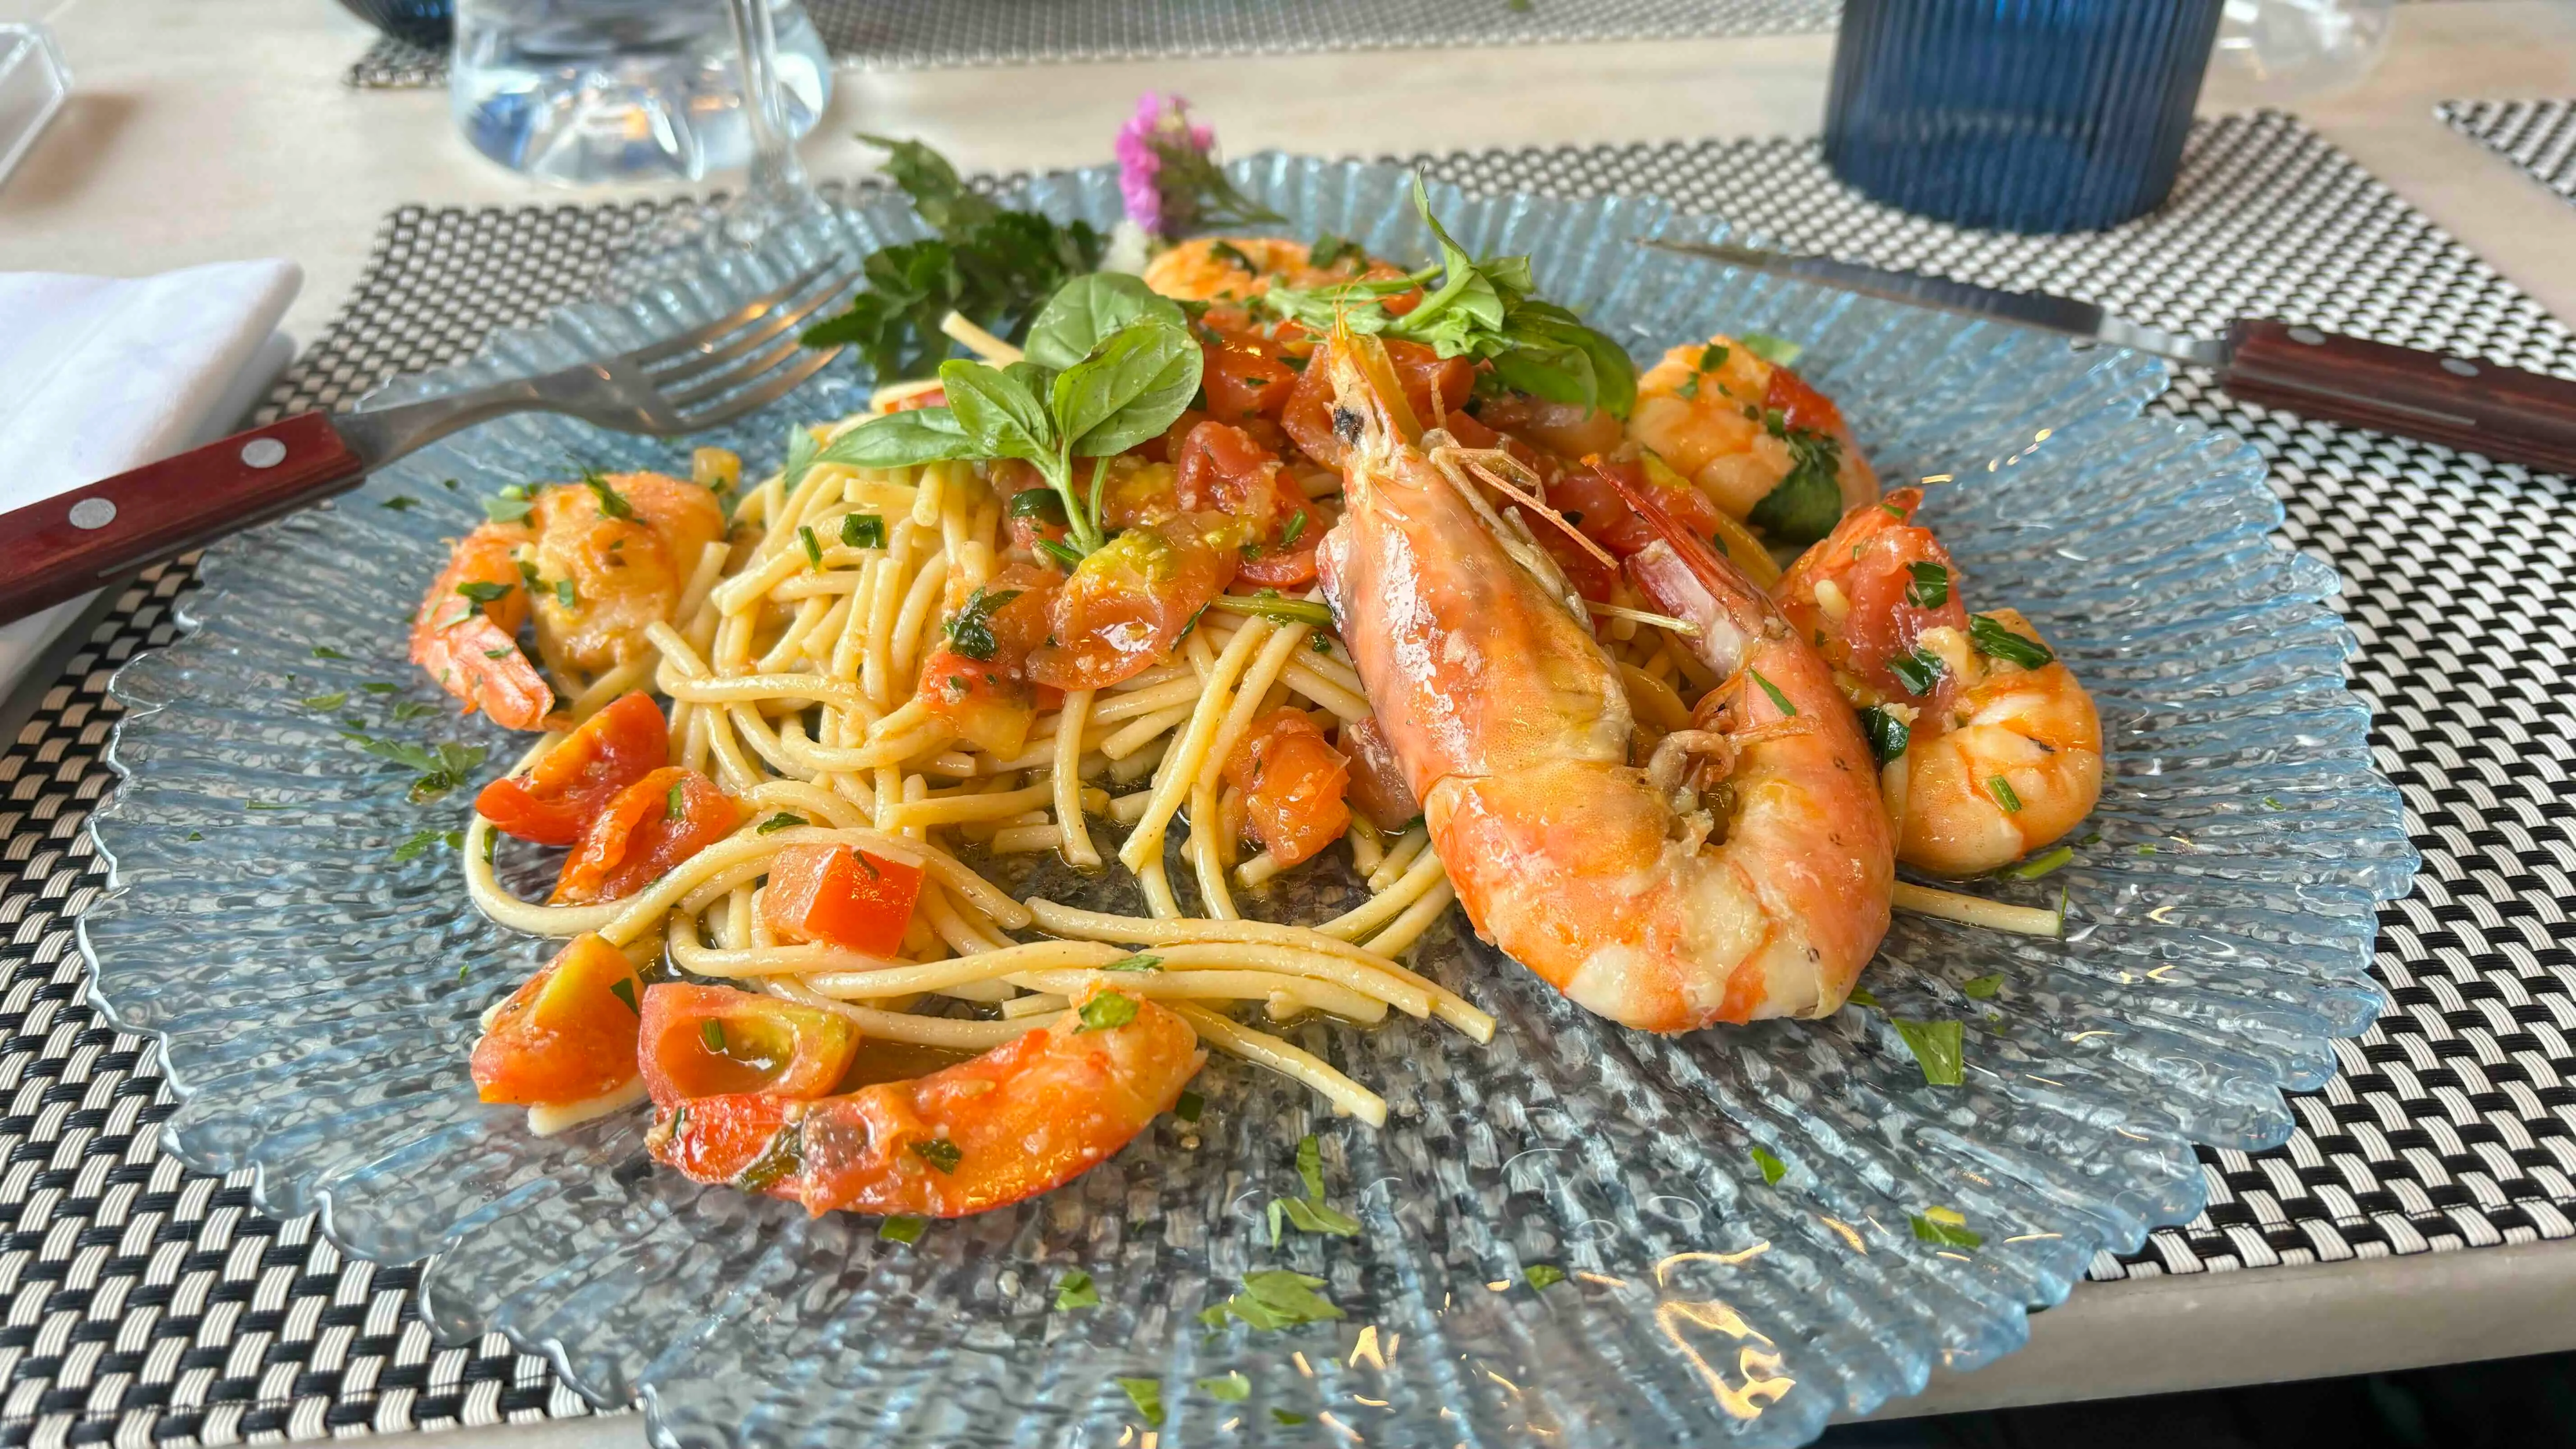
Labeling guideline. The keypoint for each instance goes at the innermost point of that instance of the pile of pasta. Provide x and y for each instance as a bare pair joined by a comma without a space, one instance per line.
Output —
791,679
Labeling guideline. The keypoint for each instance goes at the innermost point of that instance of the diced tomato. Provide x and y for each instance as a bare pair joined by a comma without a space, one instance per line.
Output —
568,1034
1125,607
714,1041
839,896
1801,406
1242,382
651,826
976,680
936,397
1308,415
1293,785
1378,785
1221,469
988,705
722,1139
1424,372
555,802
1872,557
1585,494
1030,1115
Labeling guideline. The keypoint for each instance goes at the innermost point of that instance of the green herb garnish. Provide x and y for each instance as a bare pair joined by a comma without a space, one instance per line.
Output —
1945,1226
2004,794
1918,669
564,594
1982,988
333,700
1190,1105
863,530
1274,1298
1075,1290
1888,735
1808,500
1777,351
970,632
2038,865
484,593
1937,1048
424,841
783,820
1997,642
1329,249
511,505
325,651
712,1032
1107,1011
1232,1388
1541,1276
676,803
624,990
1930,588
611,502
1269,605
1147,1396
902,1228
1773,1169
813,545
1135,963
400,503
1282,1417
1779,701
939,1152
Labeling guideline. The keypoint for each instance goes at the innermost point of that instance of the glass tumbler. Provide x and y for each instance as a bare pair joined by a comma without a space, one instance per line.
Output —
2023,115
580,91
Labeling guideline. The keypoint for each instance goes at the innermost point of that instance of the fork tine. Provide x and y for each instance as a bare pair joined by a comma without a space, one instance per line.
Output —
767,392
697,363
751,311
728,379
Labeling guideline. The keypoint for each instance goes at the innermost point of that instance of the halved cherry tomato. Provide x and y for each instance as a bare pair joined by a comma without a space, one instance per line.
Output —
1379,788
976,680
733,1139
1242,382
988,705
555,802
839,896
651,826
568,1034
1586,495
1030,1115
1801,406
1145,493
1293,785
714,1041
1222,469
1125,607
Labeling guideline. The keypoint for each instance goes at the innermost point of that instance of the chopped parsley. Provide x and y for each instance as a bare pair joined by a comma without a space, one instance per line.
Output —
611,502
511,505
422,842
1779,701
1282,1417
2005,795
1075,1290
623,988
676,803
1862,996
441,768
813,545
2038,865
1232,255
265,805
1773,1169
564,594
783,820
1274,1298
1808,500
1038,503
780,1159
1135,963
711,1031
1190,1105
1146,1394
902,1228
1918,669
1930,588
484,593
333,700
1983,988
1329,249
1888,735
970,632
1711,358
1320,643
400,503
1107,1011
867,530
380,687
325,651
1777,351
1947,1227
1937,1047
1542,1275
1311,1214
1296,528
1997,642
1232,1388
939,1152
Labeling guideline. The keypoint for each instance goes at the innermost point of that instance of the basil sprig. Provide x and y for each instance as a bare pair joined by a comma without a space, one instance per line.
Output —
1125,386
1476,309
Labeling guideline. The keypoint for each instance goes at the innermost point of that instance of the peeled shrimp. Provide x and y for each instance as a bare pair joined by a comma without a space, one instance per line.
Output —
2003,756
1213,269
1745,871
606,569
1734,424
469,642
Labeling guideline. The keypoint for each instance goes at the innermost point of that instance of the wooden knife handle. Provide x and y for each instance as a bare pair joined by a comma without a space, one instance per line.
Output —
74,542
2509,415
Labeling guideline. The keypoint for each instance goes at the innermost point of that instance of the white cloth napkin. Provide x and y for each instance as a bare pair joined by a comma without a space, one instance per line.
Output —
102,374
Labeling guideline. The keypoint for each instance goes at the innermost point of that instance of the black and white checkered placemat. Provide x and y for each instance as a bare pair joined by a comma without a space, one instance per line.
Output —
151,1305
2538,136
919,34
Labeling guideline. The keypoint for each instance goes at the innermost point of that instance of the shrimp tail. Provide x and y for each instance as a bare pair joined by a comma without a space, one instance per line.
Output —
1689,579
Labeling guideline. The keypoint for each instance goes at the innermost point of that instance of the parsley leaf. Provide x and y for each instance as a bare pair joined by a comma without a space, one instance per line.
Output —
1945,1226
1937,1048
942,1154
611,502
1773,1169
1542,1276
970,630
1232,1388
1997,642
400,503
333,700
511,505
1135,963
1930,586
1982,988
1147,1396
1777,351
1190,1105
1106,1012
902,1228
325,651
1808,500
783,820
484,593
424,841
1274,1298
863,530
1075,1290
1918,670
1888,735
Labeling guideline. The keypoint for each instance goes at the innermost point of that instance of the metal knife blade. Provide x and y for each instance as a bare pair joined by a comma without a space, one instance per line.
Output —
2028,309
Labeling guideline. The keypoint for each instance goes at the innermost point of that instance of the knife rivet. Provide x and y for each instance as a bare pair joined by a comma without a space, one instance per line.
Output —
93,513
2458,368
263,452
2306,336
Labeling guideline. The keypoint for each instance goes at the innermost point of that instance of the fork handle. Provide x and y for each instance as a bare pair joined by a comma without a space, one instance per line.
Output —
74,542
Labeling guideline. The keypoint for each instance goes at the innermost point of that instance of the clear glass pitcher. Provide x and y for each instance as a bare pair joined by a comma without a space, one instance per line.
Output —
579,91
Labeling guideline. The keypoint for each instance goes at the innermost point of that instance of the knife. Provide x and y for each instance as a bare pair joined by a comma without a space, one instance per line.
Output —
2507,414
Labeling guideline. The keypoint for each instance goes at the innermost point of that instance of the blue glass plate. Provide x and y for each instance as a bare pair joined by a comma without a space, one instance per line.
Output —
316,996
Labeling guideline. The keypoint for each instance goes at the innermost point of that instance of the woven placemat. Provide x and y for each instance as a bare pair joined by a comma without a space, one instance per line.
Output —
2538,136
921,34
152,1305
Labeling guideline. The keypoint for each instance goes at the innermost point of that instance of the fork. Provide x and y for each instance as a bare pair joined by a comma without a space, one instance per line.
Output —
74,542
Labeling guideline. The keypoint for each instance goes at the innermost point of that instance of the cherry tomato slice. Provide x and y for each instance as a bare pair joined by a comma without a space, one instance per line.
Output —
649,827
1294,785
840,896
1243,383
734,1139
1801,406
567,1034
714,1041
555,802
1125,607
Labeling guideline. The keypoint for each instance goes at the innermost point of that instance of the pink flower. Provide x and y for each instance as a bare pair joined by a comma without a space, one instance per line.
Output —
1167,171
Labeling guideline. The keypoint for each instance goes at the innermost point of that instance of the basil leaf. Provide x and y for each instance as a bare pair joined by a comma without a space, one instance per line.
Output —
1147,1396
1130,390
1088,311
801,449
1773,1169
897,440
998,414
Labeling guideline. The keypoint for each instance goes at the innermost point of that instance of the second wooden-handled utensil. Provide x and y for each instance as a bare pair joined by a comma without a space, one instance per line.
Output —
705,377
2509,415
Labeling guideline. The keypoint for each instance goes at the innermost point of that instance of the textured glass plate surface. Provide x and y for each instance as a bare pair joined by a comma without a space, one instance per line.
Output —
308,988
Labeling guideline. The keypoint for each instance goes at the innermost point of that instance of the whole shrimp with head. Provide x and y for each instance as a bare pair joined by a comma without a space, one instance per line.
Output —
1743,871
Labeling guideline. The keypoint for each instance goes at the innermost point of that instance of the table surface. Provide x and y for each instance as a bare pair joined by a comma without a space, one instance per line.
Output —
205,130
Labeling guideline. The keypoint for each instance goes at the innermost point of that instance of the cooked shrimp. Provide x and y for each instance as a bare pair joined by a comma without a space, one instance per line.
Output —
1217,269
1744,872
2003,750
611,556
1769,449
1024,1118
466,631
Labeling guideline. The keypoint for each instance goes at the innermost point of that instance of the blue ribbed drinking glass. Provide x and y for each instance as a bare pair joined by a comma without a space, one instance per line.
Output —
2024,115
